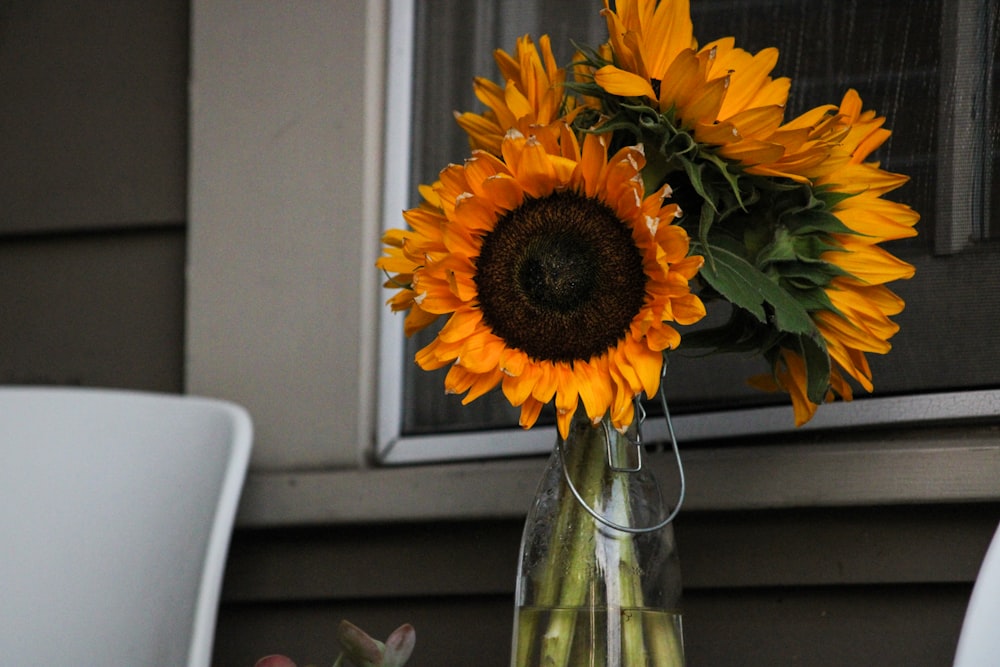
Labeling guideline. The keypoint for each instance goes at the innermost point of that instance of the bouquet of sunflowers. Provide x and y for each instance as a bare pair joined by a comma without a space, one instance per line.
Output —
607,202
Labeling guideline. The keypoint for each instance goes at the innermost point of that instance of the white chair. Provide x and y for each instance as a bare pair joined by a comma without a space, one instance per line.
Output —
979,642
116,510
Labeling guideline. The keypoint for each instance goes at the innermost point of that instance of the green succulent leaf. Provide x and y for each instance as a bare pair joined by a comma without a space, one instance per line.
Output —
360,650
399,646
358,646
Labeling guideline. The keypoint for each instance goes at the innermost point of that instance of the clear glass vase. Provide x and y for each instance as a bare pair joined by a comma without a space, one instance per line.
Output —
599,592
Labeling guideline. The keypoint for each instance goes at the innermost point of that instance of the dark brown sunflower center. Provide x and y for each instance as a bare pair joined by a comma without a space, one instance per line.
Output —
560,278
556,272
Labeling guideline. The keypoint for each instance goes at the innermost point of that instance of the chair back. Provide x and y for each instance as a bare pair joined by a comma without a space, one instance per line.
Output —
979,641
116,510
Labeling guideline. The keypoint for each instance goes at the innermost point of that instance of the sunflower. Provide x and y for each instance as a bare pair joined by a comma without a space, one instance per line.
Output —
857,323
724,96
532,99
558,275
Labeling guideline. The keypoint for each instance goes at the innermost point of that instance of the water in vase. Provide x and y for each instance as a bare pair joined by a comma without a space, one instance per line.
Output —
591,637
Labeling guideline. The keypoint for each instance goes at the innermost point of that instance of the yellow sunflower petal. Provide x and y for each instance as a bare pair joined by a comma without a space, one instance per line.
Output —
518,388
530,410
795,384
619,82
594,387
417,319
869,263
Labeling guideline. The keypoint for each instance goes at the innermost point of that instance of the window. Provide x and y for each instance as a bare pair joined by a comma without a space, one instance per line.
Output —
929,66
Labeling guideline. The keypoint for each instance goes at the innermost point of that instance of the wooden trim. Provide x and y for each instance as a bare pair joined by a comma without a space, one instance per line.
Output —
847,546
870,468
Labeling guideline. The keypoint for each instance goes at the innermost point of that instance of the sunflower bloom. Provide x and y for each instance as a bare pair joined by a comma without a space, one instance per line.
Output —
725,96
531,100
859,322
559,277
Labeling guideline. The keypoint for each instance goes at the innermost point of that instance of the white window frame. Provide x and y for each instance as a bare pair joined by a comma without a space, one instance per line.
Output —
393,447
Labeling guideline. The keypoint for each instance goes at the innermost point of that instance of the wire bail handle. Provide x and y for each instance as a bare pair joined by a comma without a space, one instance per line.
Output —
633,469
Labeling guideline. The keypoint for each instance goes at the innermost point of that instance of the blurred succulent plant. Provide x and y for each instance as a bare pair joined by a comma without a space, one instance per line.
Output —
360,650
363,651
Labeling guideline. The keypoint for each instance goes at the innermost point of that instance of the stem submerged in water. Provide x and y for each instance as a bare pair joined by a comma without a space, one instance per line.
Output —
583,603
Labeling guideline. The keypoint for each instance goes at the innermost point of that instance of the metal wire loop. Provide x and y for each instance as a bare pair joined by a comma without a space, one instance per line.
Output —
638,443
609,443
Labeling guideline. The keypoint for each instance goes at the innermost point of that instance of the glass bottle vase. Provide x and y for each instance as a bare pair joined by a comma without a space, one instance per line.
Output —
590,593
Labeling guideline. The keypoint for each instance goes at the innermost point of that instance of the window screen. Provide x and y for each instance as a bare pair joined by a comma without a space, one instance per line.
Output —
928,65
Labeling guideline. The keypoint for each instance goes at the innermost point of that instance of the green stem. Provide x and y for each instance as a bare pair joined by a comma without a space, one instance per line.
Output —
586,564
627,569
585,462
548,591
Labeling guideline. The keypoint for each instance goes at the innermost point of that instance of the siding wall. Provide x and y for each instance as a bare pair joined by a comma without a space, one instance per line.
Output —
93,134
821,587
93,247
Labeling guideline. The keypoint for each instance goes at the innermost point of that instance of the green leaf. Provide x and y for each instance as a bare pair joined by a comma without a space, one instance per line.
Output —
745,286
694,174
812,247
806,275
815,222
655,172
829,197
813,298
705,220
781,248
817,361
732,179
740,333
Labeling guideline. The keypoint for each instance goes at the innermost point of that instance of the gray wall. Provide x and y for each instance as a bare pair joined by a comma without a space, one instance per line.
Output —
93,118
